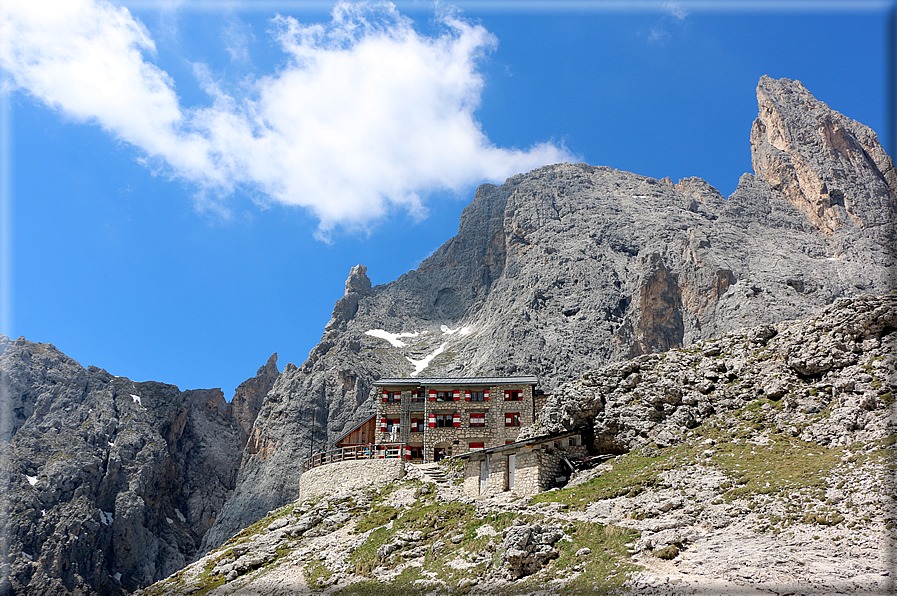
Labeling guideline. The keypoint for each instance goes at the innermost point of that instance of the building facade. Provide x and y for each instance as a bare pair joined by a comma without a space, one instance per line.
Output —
436,418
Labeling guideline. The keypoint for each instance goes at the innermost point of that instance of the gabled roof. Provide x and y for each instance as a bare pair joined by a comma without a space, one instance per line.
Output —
354,428
457,381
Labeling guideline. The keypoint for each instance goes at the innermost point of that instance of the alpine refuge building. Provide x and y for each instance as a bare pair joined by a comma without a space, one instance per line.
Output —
435,418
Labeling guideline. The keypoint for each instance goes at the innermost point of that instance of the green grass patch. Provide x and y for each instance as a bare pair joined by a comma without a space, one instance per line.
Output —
378,516
784,464
402,585
632,473
603,570
316,573
364,558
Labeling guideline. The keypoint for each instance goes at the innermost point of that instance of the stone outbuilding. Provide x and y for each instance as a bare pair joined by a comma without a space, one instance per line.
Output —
524,467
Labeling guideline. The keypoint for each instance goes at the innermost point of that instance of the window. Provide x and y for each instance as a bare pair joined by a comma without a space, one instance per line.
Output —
443,396
417,425
390,423
391,396
474,446
512,418
515,395
477,419
418,395
443,421
572,442
477,396
417,452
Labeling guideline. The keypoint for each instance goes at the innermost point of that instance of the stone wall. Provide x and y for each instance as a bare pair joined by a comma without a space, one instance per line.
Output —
536,468
331,478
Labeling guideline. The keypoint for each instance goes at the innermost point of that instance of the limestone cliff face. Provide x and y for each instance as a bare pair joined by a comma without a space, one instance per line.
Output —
561,270
108,484
830,167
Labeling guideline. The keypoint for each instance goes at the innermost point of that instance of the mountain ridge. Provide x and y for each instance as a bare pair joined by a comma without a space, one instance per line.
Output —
554,273
571,265
757,462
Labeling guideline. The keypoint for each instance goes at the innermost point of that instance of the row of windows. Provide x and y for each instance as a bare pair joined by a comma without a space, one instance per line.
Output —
477,420
421,395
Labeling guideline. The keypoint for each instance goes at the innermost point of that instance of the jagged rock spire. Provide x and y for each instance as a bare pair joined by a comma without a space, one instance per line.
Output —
829,166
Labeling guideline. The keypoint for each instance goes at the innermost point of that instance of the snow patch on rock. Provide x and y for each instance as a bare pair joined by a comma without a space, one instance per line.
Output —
460,331
392,338
420,365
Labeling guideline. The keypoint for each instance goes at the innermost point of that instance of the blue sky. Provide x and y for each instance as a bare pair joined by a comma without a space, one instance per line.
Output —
185,185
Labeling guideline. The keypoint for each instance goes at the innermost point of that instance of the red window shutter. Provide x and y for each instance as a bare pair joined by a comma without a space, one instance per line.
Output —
432,396
456,395
432,420
486,395
456,419
467,396
383,425
507,395
508,420
385,396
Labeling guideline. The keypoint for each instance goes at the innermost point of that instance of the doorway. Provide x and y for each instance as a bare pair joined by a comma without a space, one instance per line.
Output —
512,469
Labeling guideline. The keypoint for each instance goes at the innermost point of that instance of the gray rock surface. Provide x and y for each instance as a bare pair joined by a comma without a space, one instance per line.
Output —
109,484
571,266
250,396
529,547
843,362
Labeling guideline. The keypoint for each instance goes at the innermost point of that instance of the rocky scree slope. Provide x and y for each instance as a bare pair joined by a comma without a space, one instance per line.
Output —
109,484
783,484
570,266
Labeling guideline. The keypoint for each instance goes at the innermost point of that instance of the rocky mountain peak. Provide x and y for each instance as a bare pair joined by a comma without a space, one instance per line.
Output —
829,166
250,395
358,281
358,284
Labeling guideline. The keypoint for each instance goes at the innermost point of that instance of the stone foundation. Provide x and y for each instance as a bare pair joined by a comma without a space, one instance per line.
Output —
331,478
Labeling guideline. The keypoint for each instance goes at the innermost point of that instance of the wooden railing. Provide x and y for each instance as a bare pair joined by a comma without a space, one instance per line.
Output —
355,452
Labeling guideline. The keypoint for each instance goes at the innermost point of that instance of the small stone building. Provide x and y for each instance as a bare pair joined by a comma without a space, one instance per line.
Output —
440,417
523,467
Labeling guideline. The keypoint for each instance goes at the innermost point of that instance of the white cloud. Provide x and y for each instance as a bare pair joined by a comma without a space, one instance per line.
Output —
86,59
657,34
675,9
366,115
237,37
